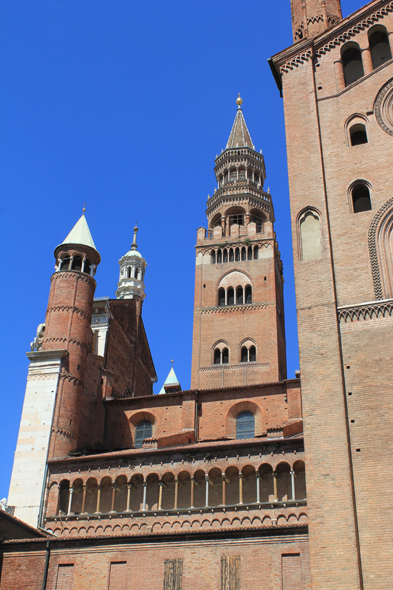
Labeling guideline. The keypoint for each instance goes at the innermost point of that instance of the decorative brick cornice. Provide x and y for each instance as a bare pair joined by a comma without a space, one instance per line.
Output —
363,24
70,379
229,367
296,61
68,308
366,311
232,308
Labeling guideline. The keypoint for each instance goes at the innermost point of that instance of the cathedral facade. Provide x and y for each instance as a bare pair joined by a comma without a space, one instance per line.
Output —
249,479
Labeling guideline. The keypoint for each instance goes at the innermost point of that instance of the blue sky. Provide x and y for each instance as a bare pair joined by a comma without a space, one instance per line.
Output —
124,105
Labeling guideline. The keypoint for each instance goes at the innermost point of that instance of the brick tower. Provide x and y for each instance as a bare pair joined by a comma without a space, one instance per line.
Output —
239,336
68,327
337,85
311,17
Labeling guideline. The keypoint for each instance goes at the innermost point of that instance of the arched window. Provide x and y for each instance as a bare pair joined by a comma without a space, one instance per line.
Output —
217,356
239,295
136,273
213,257
379,46
143,430
252,354
65,263
361,199
310,236
245,425
225,255
256,178
77,263
233,174
244,354
352,63
237,254
248,294
225,356
86,268
221,297
231,257
256,252
244,253
242,174
219,256
230,296
358,134
249,253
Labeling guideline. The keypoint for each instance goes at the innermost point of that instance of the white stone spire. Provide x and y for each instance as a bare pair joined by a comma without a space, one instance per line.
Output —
132,273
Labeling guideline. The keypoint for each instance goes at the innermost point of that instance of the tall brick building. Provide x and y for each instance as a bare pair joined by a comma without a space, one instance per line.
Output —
206,488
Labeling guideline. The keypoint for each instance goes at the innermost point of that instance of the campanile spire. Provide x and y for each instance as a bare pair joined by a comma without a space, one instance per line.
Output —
238,316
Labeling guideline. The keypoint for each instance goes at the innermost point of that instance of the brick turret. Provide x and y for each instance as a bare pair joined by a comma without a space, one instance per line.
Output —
68,320
312,17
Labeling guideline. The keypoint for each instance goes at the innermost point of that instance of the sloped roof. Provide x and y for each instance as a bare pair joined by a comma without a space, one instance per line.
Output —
80,234
239,136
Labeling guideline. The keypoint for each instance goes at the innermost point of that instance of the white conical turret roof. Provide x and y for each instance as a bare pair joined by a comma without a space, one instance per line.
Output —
80,234
171,382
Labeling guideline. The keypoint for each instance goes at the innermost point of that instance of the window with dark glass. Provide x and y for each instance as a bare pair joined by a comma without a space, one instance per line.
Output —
86,268
219,256
221,297
256,252
248,294
225,256
65,263
77,263
361,198
249,253
253,354
217,356
244,354
239,296
245,425
231,257
230,296
143,430
225,356
237,254
352,64
213,257
244,253
358,134
379,47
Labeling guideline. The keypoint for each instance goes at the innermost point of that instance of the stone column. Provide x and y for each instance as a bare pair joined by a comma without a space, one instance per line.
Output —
206,490
258,487
83,265
293,484
70,494
113,496
240,488
98,510
340,79
275,486
128,497
144,495
176,492
367,61
84,498
160,486
192,491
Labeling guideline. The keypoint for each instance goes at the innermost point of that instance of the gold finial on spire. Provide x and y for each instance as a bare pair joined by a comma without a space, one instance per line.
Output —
239,102
172,362
84,208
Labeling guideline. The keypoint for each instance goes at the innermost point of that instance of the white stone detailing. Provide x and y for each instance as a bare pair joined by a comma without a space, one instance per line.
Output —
132,274
100,325
28,472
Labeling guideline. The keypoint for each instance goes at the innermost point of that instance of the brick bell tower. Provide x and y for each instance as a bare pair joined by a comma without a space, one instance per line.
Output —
312,17
239,336
68,327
